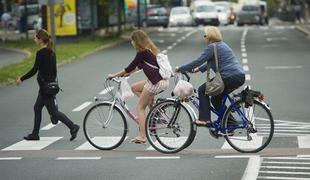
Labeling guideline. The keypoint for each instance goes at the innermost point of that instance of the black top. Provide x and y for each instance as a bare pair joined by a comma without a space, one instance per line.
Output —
45,64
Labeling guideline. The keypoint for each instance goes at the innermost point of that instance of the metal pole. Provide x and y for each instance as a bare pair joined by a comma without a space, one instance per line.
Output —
139,15
52,22
92,7
26,18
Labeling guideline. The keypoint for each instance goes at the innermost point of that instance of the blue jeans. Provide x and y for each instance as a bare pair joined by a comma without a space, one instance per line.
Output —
231,83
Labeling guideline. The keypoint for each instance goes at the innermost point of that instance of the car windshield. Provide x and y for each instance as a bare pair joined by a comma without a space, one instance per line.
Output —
205,8
158,10
250,8
179,11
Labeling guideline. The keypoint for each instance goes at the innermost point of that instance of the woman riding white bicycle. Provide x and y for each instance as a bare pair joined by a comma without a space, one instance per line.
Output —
145,89
231,71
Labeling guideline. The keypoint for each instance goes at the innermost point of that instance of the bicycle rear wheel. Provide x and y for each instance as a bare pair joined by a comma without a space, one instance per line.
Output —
258,130
171,138
105,128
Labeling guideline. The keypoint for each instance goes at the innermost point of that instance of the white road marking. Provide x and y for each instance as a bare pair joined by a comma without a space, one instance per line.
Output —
287,158
304,156
236,156
283,67
284,167
243,50
169,47
105,91
243,143
281,162
173,143
84,105
78,158
244,60
252,169
32,145
10,158
157,157
106,140
244,55
285,172
164,51
303,141
246,68
247,77
281,178
49,126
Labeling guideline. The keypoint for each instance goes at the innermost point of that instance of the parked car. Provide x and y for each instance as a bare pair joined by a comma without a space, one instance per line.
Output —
223,11
180,16
157,16
205,13
250,14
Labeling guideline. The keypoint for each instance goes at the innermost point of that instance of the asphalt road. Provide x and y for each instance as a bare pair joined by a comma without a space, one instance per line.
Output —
276,60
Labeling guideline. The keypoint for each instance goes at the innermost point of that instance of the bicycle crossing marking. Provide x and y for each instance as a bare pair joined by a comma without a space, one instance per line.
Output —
257,141
303,141
284,168
100,140
32,145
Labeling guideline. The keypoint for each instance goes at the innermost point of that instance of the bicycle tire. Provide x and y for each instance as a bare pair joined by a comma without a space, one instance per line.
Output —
170,142
260,134
93,123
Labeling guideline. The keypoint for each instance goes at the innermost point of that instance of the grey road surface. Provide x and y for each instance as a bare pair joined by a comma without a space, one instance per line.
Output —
276,60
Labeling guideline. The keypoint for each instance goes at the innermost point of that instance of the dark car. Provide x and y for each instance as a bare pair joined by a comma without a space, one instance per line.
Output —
250,14
157,16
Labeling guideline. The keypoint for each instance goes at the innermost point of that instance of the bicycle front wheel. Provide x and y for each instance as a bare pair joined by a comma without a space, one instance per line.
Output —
105,128
249,129
169,127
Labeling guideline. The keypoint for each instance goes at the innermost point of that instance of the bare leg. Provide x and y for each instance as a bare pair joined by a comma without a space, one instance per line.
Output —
144,100
137,87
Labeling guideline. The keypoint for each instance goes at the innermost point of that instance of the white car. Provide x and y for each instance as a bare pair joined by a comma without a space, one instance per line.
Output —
223,11
204,12
180,16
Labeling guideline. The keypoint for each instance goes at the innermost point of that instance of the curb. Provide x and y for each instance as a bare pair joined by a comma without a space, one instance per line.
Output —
303,30
23,51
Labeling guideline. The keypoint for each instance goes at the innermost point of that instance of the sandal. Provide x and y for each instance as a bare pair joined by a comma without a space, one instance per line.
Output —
138,141
203,123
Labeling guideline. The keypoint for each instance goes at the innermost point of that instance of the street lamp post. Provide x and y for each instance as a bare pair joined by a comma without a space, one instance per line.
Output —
51,4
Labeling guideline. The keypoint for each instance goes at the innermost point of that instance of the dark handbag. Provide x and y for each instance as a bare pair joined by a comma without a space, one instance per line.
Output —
51,88
214,86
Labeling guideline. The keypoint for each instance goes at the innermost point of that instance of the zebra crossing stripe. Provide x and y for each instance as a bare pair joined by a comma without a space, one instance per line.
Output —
243,143
32,145
78,158
177,143
252,169
106,140
84,105
303,141
10,158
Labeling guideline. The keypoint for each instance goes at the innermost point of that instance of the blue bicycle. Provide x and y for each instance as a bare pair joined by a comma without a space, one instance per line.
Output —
170,126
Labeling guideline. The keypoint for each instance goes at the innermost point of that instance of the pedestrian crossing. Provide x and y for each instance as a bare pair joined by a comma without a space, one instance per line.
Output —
45,142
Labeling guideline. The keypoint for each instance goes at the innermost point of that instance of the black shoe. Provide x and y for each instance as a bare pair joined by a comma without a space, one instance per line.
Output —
54,120
74,132
32,137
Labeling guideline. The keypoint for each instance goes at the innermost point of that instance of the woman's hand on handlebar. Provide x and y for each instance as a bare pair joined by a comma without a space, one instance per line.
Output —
195,70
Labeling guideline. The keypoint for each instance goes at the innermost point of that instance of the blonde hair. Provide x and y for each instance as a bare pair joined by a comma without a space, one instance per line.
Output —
143,42
213,34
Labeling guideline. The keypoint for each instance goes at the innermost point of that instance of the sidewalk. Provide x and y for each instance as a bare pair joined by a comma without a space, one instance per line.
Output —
302,27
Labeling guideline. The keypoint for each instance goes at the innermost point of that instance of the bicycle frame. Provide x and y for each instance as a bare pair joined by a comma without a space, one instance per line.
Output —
120,104
216,125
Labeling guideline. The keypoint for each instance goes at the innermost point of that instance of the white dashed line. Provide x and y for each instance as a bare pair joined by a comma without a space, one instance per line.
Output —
10,158
247,77
246,68
78,158
158,157
244,55
49,126
244,61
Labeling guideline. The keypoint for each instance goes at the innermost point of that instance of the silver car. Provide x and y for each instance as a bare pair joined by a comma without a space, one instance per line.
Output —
250,14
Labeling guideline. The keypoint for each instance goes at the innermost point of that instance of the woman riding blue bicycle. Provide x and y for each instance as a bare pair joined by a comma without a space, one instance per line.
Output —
230,69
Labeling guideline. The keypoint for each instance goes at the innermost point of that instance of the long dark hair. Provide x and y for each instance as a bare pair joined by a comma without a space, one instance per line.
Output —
45,37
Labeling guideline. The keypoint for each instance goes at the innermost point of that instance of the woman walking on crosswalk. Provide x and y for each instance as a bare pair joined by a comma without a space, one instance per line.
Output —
45,65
